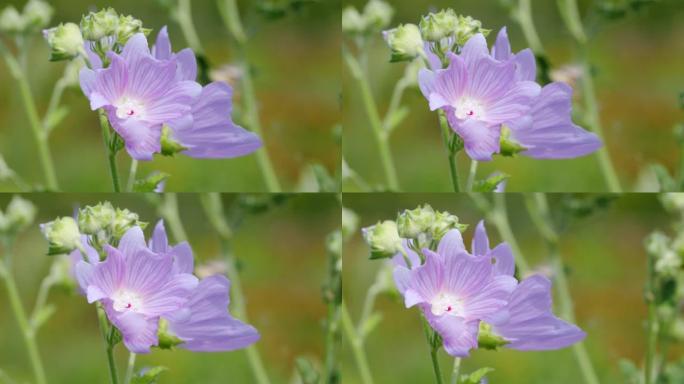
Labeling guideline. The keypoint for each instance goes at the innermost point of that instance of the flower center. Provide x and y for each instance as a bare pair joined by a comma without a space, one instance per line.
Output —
445,303
468,108
127,108
126,301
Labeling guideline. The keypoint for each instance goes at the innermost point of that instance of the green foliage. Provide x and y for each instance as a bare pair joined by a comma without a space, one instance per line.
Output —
476,377
307,371
491,183
151,183
148,375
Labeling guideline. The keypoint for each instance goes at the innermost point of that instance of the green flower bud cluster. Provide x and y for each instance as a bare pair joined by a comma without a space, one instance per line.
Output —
106,224
419,228
447,24
376,16
18,216
35,16
107,30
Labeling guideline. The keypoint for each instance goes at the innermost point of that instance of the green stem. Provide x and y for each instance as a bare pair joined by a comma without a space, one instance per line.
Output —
130,369
131,175
395,100
594,121
471,175
446,136
429,336
368,305
571,17
106,329
538,209
184,18
111,155
380,134
356,346
456,372
43,292
55,99
39,134
523,14
168,209
231,18
652,322
211,203
26,330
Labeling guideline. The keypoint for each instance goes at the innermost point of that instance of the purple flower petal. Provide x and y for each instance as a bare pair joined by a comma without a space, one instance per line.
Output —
480,245
480,140
139,332
210,328
451,244
458,336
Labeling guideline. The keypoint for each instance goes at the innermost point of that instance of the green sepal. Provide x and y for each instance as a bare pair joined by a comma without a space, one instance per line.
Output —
375,255
150,183
489,184
166,339
476,377
487,339
508,147
148,376
169,146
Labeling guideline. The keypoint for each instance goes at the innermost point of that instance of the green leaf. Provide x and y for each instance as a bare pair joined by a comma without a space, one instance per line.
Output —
307,371
148,375
326,183
150,183
630,373
489,184
476,377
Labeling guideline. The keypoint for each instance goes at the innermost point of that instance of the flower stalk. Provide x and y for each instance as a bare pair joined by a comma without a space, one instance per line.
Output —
111,153
380,134
107,330
356,343
39,133
538,209
231,18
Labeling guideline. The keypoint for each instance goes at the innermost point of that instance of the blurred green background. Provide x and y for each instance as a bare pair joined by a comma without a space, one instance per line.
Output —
283,259
296,61
638,66
604,257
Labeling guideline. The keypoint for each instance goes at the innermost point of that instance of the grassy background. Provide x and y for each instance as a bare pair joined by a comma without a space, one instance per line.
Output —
296,61
606,263
282,253
637,63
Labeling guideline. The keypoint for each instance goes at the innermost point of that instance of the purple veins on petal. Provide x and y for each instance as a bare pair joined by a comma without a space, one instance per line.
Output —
528,323
209,327
210,133
187,62
548,132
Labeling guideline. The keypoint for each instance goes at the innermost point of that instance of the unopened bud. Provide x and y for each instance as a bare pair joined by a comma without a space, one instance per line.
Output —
123,221
65,41
443,223
383,239
352,21
405,42
11,21
412,223
129,26
102,23
93,219
20,214
488,339
62,235
37,14
377,15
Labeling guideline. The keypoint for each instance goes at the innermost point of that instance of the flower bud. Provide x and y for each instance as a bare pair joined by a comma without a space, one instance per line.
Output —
65,41
657,243
129,26
20,214
62,235
444,222
437,26
352,21
123,221
37,14
412,223
383,239
405,42
508,146
377,15
466,28
11,21
93,219
97,25
167,340
169,146
488,339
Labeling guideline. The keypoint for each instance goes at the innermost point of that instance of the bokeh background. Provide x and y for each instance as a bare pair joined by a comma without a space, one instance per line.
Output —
282,256
604,256
638,77
296,62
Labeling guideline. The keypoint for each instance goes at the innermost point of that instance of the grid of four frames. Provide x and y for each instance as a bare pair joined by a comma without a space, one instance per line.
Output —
302,191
